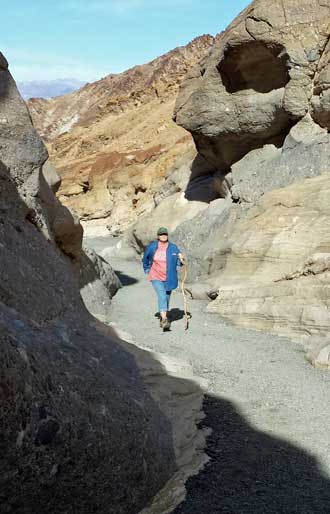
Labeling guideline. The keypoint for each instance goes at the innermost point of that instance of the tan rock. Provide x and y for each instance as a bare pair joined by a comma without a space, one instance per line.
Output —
171,212
276,273
68,232
113,149
318,352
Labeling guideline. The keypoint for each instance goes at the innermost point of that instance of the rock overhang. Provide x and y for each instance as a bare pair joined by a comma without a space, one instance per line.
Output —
275,52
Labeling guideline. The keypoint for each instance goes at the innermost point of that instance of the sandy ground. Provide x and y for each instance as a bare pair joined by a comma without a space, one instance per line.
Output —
269,410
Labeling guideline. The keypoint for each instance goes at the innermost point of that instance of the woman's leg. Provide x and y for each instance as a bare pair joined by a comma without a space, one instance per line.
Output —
159,287
168,297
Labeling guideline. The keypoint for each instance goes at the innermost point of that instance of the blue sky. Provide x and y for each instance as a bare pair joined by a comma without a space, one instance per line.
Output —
49,39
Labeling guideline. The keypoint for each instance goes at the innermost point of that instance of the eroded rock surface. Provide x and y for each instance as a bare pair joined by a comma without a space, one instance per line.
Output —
266,72
74,411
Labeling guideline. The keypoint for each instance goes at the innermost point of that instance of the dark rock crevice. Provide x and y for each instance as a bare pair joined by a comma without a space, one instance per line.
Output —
254,65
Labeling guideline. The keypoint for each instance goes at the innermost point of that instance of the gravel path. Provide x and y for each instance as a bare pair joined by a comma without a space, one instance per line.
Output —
269,410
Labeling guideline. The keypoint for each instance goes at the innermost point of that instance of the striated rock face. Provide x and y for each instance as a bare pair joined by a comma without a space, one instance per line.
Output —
114,140
74,410
276,262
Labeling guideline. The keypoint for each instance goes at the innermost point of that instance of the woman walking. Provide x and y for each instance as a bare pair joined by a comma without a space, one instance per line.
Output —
160,261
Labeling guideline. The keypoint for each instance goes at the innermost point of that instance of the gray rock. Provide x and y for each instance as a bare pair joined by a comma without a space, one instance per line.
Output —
305,153
51,175
194,176
3,62
203,236
74,411
318,352
98,283
257,81
25,155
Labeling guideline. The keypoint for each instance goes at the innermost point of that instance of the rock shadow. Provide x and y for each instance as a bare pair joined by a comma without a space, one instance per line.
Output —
4,77
205,183
255,66
126,280
74,403
252,472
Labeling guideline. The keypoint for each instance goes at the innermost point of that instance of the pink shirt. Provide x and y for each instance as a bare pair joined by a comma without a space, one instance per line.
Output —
158,268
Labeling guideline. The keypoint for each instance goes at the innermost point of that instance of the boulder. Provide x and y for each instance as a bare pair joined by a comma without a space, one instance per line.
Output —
258,81
68,232
98,283
305,153
204,238
318,352
51,176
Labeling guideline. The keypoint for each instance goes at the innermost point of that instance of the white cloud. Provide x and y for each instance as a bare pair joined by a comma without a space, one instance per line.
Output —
25,65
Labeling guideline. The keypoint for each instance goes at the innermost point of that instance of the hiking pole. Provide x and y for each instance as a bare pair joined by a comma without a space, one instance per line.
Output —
185,296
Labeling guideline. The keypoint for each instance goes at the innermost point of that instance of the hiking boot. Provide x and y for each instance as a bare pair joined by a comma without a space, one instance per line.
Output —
165,324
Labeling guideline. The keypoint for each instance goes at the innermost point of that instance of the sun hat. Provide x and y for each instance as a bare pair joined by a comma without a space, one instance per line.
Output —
162,231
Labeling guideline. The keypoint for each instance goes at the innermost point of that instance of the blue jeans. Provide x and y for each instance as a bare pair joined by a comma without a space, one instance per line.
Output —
162,295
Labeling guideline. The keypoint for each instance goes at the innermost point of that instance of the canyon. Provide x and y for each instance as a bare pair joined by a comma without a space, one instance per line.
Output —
77,407
253,212
226,142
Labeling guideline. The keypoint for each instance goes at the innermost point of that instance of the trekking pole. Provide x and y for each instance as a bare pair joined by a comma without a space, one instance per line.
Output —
185,296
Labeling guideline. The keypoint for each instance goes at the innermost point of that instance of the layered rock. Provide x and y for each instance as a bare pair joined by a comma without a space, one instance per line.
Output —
75,412
114,140
276,262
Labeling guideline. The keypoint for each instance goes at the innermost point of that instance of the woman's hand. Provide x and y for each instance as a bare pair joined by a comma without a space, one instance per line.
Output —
181,257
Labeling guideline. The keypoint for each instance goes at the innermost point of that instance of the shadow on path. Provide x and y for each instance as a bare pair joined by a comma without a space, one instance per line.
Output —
126,280
174,315
251,472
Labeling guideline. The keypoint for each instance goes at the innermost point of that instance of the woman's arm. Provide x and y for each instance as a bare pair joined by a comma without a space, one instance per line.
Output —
146,260
181,259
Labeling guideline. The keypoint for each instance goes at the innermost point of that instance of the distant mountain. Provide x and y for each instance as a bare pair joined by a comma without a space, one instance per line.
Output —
48,88
114,140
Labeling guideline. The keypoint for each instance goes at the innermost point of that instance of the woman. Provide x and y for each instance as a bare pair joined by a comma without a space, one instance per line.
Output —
160,261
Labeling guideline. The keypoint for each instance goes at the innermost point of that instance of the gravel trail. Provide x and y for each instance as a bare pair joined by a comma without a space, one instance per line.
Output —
269,410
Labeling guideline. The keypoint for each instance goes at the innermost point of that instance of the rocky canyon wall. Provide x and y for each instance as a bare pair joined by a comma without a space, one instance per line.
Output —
79,430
